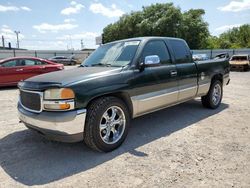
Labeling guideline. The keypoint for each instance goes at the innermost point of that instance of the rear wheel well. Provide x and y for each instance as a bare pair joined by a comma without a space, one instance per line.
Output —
121,95
217,77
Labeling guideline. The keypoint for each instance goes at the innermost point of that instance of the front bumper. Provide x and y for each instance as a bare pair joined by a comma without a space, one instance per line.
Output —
59,126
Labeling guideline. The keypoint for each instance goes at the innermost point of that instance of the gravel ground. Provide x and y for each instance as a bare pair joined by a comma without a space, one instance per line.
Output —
182,146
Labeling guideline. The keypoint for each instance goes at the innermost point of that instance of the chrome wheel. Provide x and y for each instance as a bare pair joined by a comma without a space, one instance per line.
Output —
216,96
112,125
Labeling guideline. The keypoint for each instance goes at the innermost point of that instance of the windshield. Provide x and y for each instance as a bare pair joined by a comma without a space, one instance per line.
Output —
239,58
115,54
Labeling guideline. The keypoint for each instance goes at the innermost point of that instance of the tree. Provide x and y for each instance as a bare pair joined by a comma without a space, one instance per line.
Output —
194,30
161,20
213,42
237,37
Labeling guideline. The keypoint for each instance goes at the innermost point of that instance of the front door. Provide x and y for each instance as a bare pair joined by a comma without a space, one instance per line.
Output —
155,87
9,73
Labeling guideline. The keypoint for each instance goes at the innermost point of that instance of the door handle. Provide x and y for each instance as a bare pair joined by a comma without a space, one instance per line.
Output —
173,73
19,69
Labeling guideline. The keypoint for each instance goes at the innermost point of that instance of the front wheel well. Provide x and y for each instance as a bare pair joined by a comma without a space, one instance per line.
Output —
121,95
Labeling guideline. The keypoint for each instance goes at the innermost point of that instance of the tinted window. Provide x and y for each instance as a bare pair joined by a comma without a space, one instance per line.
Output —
157,48
239,58
10,63
181,51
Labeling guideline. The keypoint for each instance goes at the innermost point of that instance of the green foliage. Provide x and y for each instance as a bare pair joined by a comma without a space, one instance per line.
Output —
161,20
237,37
194,30
213,42
167,20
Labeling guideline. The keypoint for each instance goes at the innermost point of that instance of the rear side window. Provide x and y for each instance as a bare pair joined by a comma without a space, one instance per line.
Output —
40,62
157,48
29,62
181,51
60,58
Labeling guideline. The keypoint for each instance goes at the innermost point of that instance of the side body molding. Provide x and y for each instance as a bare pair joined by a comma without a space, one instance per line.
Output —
153,101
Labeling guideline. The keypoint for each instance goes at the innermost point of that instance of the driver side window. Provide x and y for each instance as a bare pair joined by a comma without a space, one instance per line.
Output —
157,48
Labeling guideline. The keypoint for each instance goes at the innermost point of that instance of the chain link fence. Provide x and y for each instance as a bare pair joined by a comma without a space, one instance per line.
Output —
212,53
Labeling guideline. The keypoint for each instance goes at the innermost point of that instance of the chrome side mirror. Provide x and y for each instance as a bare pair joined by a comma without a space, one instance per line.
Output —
152,60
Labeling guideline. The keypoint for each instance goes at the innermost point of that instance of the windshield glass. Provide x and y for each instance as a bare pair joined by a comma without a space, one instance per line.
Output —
239,58
115,54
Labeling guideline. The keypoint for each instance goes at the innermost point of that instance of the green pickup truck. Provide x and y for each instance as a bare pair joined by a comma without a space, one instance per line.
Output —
119,81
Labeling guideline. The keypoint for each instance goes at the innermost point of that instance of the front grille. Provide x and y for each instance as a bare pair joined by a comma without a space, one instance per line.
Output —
30,100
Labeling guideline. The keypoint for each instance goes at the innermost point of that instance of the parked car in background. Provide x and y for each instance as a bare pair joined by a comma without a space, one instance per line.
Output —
13,70
200,57
240,62
64,60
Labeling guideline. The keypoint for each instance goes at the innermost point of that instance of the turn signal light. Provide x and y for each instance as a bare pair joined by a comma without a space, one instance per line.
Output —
67,94
57,106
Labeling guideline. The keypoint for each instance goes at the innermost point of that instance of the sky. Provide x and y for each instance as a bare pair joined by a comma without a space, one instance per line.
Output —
62,24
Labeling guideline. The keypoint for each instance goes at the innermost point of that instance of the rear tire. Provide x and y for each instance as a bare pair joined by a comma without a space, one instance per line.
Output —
107,124
214,96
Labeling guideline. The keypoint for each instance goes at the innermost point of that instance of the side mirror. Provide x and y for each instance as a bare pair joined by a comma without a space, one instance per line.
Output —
149,61
152,60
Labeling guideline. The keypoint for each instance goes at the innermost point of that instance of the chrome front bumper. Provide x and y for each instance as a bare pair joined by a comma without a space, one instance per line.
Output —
60,126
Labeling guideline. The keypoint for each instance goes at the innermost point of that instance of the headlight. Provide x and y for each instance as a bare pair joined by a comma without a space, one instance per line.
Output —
58,94
59,99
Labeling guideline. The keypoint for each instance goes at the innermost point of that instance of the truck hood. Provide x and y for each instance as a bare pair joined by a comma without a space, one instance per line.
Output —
65,77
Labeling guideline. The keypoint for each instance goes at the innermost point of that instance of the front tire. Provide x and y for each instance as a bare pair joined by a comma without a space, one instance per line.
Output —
214,96
107,124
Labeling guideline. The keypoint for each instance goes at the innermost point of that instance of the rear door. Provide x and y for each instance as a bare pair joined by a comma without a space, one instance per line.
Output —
186,69
155,87
30,69
45,67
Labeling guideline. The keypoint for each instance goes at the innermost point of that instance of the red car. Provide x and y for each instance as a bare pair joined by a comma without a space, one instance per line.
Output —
13,70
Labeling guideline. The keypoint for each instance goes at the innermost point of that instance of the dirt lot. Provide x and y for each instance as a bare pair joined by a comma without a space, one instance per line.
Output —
182,146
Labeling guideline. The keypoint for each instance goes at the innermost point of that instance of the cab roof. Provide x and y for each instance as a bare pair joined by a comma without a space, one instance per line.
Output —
145,39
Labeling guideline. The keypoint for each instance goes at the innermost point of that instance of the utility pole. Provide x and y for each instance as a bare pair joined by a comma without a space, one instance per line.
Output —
82,46
70,42
3,41
17,38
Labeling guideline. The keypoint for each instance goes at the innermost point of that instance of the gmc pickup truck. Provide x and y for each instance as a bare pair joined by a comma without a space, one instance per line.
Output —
119,81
